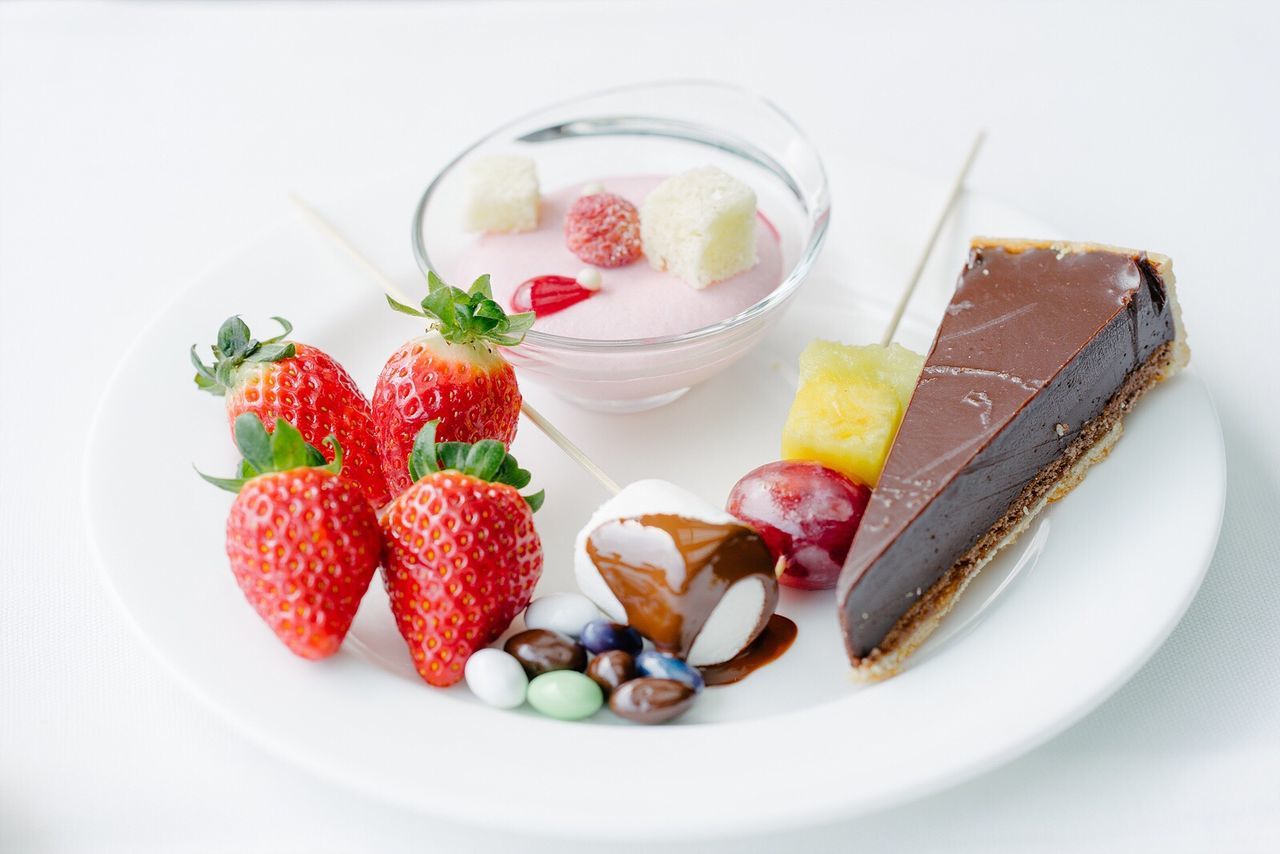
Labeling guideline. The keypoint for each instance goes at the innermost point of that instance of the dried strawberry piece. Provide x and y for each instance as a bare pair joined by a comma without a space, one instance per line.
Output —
603,229
545,295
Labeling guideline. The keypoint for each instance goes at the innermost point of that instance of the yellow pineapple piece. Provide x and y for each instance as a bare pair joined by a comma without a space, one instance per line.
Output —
849,404
895,365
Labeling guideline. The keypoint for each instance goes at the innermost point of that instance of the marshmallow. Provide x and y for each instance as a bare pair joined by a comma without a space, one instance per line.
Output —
616,529
700,226
502,194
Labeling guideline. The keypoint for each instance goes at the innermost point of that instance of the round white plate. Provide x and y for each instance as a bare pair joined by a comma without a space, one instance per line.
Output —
1049,630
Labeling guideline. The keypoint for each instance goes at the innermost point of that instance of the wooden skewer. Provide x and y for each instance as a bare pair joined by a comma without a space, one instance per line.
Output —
398,294
952,198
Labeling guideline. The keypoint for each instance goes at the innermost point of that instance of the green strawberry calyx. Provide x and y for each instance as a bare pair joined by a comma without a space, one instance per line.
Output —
233,348
485,460
468,317
283,449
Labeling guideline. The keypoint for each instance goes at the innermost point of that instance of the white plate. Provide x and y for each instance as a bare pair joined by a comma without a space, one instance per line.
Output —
1099,583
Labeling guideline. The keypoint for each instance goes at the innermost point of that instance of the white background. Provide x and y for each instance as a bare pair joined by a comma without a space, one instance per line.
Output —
140,141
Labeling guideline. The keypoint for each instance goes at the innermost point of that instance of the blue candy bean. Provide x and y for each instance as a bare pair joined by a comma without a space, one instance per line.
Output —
602,636
659,665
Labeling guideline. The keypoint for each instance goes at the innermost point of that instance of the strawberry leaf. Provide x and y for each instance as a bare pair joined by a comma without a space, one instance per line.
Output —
422,459
452,455
404,309
233,336
441,305
283,449
471,316
230,484
535,501
253,441
234,347
285,325
485,460
273,352
289,449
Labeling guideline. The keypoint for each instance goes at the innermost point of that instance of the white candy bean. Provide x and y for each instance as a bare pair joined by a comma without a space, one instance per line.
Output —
496,678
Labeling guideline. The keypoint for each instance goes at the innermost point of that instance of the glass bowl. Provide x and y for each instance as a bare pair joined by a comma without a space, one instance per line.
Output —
659,129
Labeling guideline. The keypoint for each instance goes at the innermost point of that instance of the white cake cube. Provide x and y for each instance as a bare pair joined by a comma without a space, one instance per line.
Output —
502,194
700,226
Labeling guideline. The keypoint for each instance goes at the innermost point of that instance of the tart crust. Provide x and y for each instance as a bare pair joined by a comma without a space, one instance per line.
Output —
1055,480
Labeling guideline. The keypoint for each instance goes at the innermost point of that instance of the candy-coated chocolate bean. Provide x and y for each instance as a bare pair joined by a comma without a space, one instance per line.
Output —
651,701
610,669
497,678
565,613
659,665
540,651
601,636
565,695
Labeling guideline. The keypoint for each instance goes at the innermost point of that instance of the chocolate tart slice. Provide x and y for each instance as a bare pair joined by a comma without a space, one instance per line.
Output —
1043,349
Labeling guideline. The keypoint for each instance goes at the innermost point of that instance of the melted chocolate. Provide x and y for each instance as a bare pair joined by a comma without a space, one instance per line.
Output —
1033,345
778,635
670,605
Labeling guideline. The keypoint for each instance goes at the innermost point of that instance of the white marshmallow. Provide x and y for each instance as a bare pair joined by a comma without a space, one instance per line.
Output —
565,613
502,194
700,226
732,623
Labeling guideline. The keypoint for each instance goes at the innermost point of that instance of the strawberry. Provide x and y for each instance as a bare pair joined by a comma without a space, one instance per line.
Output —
304,386
460,554
303,543
454,375
603,229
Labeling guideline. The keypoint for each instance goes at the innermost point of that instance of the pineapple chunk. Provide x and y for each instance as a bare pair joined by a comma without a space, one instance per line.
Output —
849,406
894,365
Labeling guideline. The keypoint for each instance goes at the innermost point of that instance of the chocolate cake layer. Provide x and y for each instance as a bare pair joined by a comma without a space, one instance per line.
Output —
1036,344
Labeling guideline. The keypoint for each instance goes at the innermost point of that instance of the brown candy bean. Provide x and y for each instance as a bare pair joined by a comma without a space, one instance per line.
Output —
542,651
651,701
611,669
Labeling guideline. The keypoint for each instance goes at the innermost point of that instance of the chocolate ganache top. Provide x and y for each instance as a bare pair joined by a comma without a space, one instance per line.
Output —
1033,345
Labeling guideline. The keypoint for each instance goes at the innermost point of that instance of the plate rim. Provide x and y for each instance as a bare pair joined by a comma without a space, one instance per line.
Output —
766,820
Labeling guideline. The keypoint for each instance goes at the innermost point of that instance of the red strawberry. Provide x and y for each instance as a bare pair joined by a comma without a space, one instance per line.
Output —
304,386
603,229
453,374
303,543
545,295
459,550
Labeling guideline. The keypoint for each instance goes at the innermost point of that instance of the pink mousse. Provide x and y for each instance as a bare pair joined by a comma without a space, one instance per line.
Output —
635,301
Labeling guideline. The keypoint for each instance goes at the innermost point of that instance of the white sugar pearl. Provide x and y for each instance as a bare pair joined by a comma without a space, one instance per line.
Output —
589,278
592,188
565,613
496,678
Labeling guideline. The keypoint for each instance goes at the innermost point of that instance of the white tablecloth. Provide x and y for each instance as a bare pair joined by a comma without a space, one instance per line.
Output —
140,141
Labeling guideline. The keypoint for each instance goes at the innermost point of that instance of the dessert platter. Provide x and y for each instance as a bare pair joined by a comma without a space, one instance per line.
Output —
856,556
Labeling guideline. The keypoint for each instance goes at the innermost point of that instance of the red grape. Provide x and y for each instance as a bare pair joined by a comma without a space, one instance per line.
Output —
807,515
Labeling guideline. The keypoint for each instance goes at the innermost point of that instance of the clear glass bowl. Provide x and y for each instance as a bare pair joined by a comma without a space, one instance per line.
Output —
654,128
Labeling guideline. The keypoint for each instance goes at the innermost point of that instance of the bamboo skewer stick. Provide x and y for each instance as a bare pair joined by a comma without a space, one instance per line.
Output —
394,291
952,198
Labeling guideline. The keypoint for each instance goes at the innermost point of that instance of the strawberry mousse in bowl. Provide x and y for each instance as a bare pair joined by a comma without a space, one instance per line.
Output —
656,232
